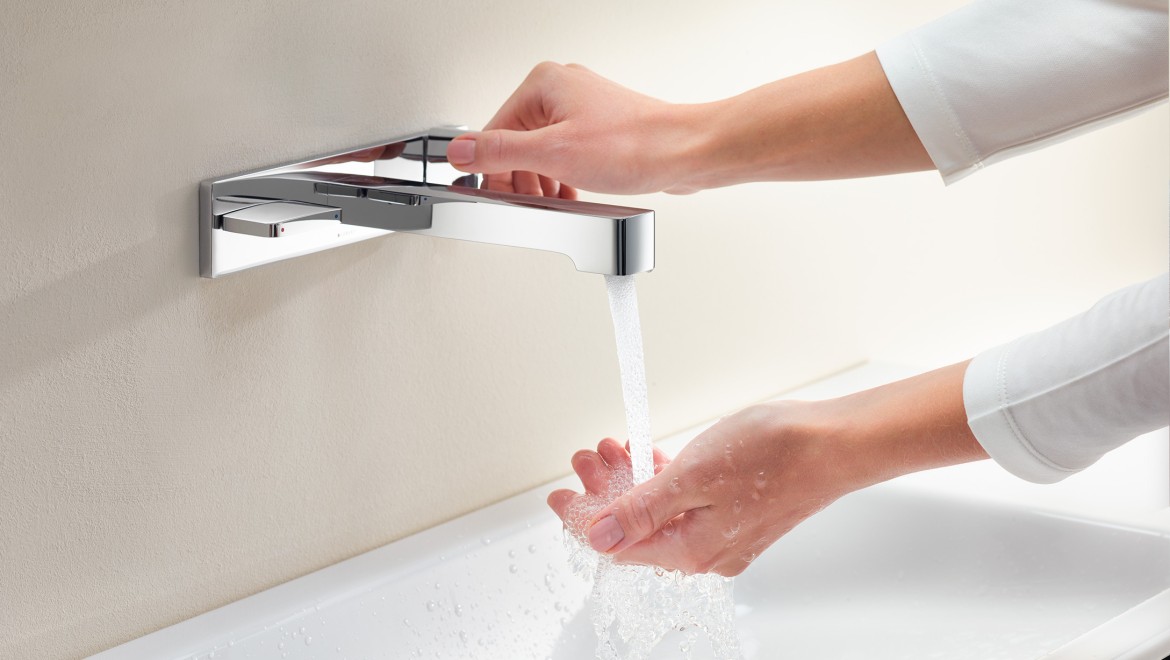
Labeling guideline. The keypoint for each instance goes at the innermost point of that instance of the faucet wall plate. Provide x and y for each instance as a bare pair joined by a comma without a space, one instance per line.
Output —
236,232
403,184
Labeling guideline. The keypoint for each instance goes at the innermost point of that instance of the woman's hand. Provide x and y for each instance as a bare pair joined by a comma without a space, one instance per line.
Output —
743,483
727,496
578,130
566,127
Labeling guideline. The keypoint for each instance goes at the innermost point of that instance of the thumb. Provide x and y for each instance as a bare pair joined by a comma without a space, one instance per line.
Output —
638,514
500,151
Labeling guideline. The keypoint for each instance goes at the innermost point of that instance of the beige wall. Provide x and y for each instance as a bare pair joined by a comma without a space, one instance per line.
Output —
170,444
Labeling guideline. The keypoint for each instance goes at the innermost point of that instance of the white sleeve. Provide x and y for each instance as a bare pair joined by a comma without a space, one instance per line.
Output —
1051,403
998,78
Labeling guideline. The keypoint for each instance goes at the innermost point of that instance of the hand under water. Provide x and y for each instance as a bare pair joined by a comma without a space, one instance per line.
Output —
728,495
753,476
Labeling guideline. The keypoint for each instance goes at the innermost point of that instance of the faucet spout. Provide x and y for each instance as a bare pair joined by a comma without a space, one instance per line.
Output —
599,238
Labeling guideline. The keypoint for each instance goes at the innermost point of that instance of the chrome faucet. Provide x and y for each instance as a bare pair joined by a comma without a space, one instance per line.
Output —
404,185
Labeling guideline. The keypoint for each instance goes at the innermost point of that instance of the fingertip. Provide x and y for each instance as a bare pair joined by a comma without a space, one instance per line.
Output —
461,151
593,471
499,182
609,443
527,183
606,534
550,187
602,513
559,500
581,454
612,453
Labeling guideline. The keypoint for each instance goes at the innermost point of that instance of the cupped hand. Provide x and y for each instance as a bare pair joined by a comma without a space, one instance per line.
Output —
566,127
753,476
728,495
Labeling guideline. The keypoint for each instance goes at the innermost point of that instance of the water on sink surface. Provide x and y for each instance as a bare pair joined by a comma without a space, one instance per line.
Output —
881,574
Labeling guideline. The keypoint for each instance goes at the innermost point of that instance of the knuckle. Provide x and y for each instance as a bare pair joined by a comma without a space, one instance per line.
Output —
639,515
693,476
545,69
492,147
753,415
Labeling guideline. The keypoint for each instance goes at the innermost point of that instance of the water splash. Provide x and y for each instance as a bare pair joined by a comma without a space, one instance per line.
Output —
634,607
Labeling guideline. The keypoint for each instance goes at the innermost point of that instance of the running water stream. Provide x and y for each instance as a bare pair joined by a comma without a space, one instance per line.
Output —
635,607
627,329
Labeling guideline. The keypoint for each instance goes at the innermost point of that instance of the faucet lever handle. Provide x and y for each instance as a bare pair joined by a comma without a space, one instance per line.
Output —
280,218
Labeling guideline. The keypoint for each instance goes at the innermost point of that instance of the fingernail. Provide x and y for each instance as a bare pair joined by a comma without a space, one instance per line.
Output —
461,152
605,534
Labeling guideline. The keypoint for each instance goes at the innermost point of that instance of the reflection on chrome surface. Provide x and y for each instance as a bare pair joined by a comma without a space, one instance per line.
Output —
405,184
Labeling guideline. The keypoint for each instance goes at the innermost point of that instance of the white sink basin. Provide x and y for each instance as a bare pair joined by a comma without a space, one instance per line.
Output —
890,572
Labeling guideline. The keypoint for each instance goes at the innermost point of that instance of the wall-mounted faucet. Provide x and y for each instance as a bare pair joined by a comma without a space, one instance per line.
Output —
403,185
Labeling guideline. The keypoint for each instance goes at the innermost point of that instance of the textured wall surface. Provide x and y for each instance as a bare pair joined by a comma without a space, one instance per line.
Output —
170,444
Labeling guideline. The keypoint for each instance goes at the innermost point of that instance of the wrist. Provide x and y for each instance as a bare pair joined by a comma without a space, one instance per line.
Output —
815,440
725,149
843,434
910,425
754,136
684,146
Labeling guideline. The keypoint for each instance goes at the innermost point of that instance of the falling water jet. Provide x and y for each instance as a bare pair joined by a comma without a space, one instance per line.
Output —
634,607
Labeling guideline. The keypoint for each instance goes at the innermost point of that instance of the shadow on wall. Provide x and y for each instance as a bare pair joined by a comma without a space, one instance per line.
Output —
45,324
